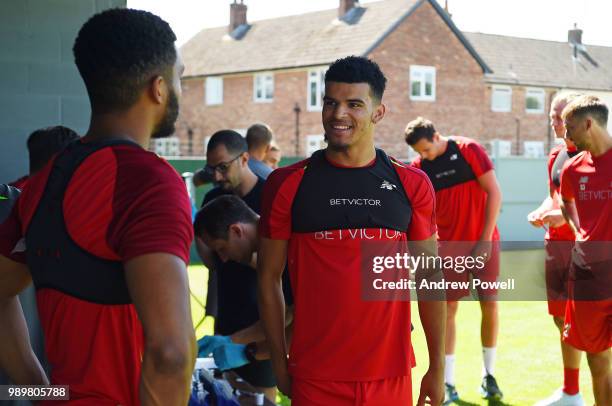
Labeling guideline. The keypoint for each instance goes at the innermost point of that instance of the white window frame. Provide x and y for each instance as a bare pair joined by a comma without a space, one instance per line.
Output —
418,73
260,83
213,90
496,108
167,147
540,94
318,139
317,76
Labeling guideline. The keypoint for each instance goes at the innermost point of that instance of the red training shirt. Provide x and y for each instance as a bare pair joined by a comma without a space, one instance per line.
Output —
122,202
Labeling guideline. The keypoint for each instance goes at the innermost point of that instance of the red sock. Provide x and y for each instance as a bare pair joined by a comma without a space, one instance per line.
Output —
571,378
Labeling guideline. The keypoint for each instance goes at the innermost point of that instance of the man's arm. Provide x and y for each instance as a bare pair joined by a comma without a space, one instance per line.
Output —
16,356
432,311
535,217
256,331
488,182
271,264
568,208
159,288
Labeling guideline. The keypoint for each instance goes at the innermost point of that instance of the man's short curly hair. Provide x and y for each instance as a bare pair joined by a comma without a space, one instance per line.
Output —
118,52
357,69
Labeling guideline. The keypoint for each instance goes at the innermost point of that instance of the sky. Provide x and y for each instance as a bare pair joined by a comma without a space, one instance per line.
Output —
541,19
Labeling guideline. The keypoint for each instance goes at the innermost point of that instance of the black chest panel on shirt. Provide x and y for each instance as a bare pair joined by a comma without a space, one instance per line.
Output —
555,171
449,169
336,198
54,259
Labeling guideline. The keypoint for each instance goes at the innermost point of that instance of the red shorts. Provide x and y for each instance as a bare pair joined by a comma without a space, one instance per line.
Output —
490,272
557,265
588,323
392,391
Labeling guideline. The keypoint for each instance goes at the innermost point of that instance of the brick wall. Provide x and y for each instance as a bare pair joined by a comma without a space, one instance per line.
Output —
530,126
239,111
425,39
462,105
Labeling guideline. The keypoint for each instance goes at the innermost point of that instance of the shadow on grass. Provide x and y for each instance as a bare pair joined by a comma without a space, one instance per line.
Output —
488,403
464,403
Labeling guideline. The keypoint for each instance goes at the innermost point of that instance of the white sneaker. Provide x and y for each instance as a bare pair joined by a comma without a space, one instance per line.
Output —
560,398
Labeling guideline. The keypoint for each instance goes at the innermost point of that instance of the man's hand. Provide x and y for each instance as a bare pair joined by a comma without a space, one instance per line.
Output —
208,344
230,356
535,218
482,249
283,379
432,387
553,218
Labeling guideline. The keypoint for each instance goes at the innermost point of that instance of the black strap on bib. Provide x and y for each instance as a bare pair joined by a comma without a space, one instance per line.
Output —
54,259
449,169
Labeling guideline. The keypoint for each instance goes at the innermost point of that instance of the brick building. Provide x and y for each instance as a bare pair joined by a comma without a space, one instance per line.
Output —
479,85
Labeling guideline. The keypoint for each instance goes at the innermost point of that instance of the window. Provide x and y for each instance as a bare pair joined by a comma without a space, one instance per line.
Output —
170,146
316,89
501,98
534,100
533,149
314,143
263,87
422,83
214,90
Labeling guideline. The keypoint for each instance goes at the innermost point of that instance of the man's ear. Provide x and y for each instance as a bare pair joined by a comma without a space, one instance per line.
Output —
244,159
379,113
158,89
588,123
236,229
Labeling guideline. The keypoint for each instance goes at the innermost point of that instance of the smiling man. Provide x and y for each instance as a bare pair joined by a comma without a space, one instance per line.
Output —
346,350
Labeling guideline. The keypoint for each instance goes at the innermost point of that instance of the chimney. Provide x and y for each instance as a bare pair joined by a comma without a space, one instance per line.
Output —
346,6
446,9
238,15
574,36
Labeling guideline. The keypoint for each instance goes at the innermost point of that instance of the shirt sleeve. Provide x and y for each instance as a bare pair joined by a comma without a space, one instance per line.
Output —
477,158
279,191
566,191
552,157
151,209
422,199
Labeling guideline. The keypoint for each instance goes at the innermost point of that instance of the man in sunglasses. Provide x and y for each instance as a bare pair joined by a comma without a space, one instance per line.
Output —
227,165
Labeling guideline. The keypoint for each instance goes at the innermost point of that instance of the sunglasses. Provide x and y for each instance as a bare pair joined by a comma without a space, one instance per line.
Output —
222,167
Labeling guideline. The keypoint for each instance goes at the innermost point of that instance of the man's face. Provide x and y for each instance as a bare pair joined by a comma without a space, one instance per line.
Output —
576,131
166,127
272,159
227,167
349,114
556,122
237,247
428,150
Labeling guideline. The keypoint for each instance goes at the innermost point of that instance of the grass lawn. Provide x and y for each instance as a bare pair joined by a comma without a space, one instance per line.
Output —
528,364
